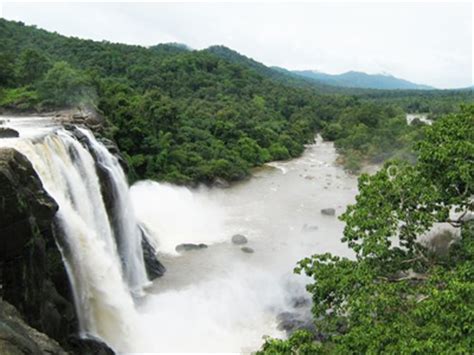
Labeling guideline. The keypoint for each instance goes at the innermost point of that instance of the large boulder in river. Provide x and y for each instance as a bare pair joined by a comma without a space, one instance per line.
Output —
239,239
247,250
189,247
6,132
328,211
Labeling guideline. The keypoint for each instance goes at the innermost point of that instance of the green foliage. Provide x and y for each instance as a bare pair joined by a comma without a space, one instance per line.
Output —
23,98
300,342
7,69
65,86
396,296
31,66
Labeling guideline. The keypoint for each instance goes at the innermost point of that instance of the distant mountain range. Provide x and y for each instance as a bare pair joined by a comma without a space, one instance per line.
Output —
346,82
354,79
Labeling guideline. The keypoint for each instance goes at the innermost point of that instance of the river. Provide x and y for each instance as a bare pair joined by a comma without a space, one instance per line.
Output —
220,299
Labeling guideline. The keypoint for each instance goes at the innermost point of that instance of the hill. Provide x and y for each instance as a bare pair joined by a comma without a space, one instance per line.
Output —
355,79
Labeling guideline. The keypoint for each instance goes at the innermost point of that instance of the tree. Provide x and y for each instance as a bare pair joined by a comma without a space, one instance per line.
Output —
397,295
7,70
65,86
31,66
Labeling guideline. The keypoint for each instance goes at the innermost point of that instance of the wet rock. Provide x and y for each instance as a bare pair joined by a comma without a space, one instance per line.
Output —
328,211
247,250
154,268
25,204
189,247
81,346
17,337
239,239
8,133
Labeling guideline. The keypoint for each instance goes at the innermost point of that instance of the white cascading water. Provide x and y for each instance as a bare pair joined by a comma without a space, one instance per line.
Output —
125,225
101,280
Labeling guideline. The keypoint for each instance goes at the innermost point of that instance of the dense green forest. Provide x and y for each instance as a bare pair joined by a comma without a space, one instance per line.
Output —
401,294
193,116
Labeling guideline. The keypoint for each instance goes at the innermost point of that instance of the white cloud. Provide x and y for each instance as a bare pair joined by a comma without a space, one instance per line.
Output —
428,43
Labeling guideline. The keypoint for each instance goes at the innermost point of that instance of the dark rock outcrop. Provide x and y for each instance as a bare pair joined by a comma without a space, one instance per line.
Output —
6,132
153,266
328,211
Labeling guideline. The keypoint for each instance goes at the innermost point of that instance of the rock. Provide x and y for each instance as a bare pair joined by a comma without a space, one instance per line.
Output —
17,337
81,346
6,132
88,116
328,211
221,183
189,247
153,266
239,239
25,204
247,250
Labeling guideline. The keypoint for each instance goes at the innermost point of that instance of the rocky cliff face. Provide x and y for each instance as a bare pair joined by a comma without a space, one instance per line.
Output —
32,275
18,338
33,278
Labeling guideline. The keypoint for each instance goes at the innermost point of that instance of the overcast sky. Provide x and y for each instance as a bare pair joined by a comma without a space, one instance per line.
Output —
429,43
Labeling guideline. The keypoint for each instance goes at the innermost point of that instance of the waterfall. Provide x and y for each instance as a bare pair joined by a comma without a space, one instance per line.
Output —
124,223
101,249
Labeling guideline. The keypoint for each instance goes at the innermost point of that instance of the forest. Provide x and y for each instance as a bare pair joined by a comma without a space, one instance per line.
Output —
188,116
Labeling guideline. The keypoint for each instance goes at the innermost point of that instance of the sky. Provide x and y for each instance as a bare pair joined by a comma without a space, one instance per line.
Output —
428,42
